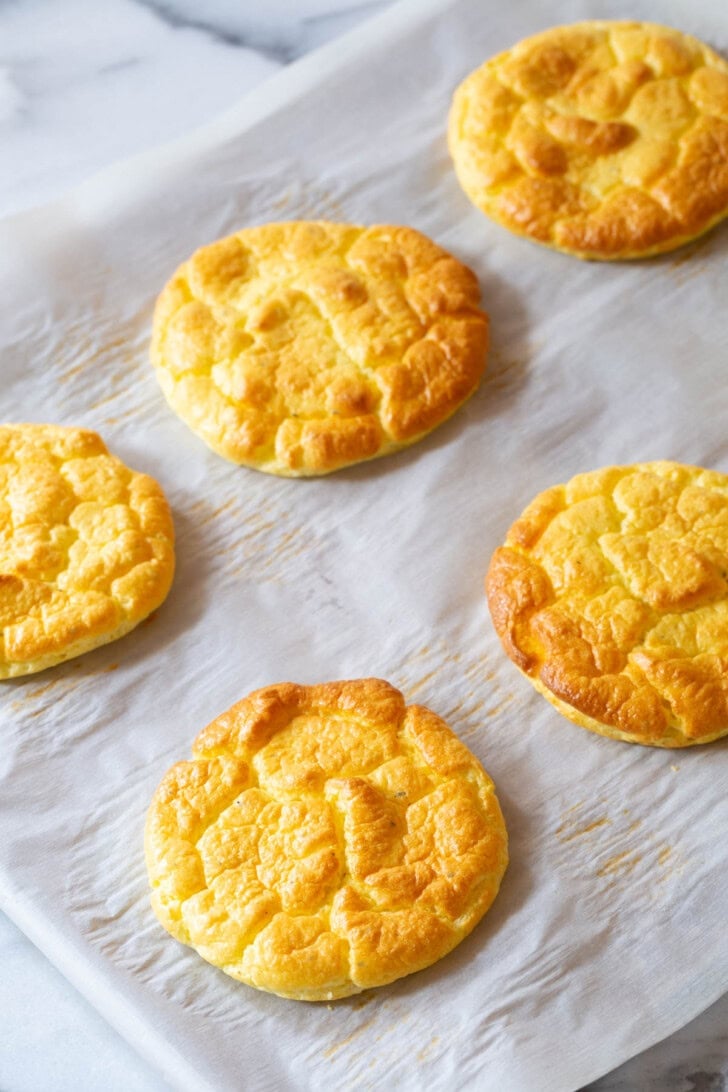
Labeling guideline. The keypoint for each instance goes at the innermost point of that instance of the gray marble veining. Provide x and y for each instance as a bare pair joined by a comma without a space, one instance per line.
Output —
279,32
83,85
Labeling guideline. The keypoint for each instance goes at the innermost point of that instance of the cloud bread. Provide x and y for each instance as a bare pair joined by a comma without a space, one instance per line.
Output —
299,348
606,140
611,596
324,839
86,546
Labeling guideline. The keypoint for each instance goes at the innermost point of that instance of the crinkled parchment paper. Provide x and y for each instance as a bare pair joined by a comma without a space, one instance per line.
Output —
609,932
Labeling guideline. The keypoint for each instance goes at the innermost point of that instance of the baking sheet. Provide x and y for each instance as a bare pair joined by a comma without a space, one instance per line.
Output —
609,931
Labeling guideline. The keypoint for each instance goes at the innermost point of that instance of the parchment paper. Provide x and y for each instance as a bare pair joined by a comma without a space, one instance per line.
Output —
609,932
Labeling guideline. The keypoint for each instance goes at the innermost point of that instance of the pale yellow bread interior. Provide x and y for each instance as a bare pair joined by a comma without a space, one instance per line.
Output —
606,140
324,840
86,546
299,348
611,596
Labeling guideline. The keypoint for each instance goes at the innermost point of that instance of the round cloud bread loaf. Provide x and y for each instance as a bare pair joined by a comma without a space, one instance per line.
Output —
325,839
606,140
299,348
611,595
86,546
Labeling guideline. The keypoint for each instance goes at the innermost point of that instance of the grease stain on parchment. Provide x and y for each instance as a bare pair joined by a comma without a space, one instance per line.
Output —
620,864
436,668
664,855
670,862
387,1054
334,1049
612,846
125,348
309,200
565,834
110,366
691,261
507,374
257,542
56,690
426,1051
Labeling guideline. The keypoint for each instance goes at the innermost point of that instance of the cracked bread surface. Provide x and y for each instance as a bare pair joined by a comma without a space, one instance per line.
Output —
301,347
606,140
324,840
86,546
611,596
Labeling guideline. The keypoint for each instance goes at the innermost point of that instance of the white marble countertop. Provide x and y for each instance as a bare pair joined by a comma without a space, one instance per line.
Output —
83,84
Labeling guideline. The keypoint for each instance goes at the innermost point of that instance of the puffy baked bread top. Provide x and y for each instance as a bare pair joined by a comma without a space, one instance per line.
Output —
611,595
86,546
602,139
299,348
325,839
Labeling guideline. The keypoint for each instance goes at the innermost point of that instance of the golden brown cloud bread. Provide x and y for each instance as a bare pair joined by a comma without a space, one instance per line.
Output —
299,348
86,546
603,139
611,595
325,839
